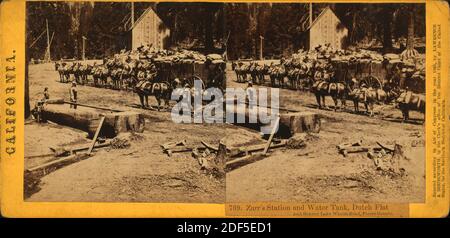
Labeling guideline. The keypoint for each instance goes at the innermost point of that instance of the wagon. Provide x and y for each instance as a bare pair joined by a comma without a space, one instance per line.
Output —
373,73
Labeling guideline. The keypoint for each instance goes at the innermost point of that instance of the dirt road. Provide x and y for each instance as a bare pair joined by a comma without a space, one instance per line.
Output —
142,173
319,173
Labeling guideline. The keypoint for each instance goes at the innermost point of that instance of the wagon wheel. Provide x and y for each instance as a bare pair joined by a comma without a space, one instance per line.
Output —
191,80
371,81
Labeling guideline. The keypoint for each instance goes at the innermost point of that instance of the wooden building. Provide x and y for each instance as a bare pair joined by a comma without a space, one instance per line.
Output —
149,29
325,29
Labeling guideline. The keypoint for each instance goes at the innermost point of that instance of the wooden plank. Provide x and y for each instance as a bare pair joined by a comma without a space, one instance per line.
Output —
56,163
235,151
91,106
94,140
237,163
78,149
39,156
274,129
385,147
209,146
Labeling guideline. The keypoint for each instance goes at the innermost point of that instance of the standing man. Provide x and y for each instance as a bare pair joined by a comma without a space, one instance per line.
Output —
73,95
46,94
250,93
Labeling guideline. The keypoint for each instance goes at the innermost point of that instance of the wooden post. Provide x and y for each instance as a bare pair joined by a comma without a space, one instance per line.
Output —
47,55
310,14
132,15
261,39
96,135
84,48
274,129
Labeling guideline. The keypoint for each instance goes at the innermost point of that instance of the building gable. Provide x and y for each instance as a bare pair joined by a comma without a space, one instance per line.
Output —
327,29
149,29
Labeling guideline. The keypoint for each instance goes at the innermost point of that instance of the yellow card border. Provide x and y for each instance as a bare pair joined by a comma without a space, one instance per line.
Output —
12,37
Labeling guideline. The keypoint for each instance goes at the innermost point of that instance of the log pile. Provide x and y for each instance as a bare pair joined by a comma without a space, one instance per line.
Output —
386,159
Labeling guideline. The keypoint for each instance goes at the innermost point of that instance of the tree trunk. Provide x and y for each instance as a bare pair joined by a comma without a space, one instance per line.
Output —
387,32
410,53
209,42
410,40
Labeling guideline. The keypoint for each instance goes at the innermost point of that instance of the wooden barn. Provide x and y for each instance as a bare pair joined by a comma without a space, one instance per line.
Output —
325,29
150,29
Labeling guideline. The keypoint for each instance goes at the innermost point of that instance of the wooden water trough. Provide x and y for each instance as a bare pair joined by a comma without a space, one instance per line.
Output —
87,118
291,121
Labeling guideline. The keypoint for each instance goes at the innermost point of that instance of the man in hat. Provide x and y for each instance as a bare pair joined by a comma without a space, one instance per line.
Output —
188,96
40,105
73,95
46,94
250,95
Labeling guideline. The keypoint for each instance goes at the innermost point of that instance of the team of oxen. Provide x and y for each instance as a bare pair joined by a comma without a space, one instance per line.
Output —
119,74
320,78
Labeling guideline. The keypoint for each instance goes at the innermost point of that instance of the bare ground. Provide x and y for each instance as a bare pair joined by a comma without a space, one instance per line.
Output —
318,173
142,173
